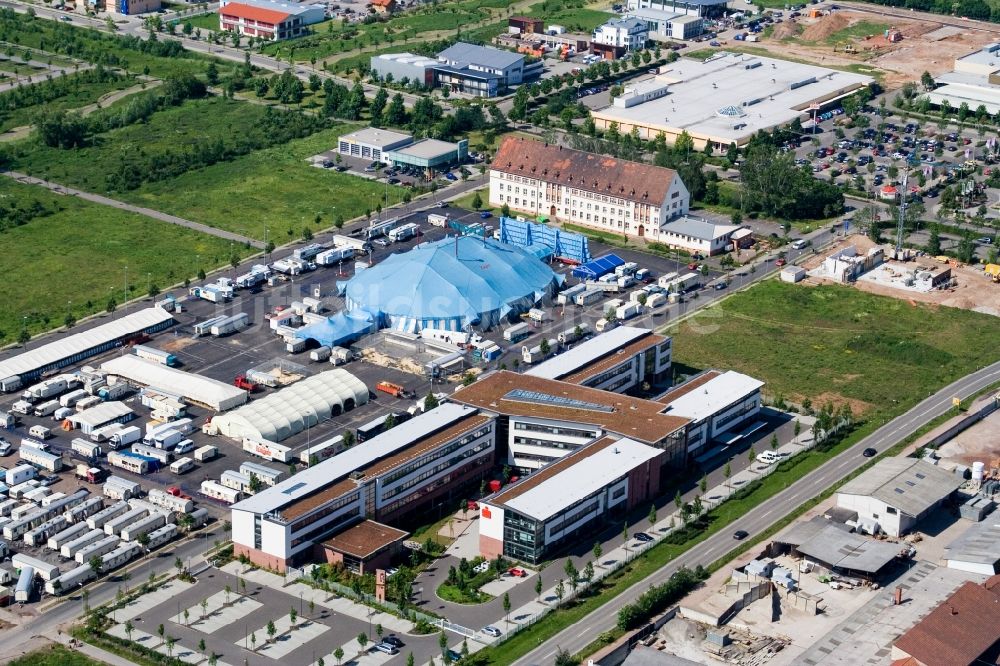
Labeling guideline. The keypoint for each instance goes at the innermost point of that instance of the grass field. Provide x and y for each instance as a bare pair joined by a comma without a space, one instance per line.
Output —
836,343
859,30
75,257
274,188
81,95
208,21
54,655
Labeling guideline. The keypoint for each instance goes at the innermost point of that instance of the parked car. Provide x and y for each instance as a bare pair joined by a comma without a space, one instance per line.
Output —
392,640
5,447
486,215
382,242
385,648
780,262
492,631
517,572
719,286
642,537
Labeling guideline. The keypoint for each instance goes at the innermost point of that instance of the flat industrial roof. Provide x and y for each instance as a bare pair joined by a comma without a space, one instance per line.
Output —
590,351
985,56
515,394
318,477
408,59
980,544
365,539
427,148
730,97
472,54
958,88
844,550
575,476
714,395
377,137
72,345
912,486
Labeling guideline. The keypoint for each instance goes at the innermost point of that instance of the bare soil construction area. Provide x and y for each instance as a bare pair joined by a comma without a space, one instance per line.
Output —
974,291
851,37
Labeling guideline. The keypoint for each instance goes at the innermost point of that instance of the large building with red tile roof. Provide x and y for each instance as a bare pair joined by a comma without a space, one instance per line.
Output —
629,198
963,631
264,19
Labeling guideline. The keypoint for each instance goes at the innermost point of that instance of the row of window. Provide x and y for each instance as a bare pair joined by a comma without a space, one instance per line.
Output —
529,441
432,471
555,430
433,455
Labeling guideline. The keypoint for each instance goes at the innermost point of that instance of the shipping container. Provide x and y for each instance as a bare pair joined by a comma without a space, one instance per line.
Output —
162,535
566,296
99,519
206,453
220,492
182,466
323,451
118,488
236,481
133,462
100,547
25,585
437,220
116,525
320,354
44,569
126,436
588,297
155,355
47,408
629,310
517,332
67,534
73,397
268,450
266,474
230,324
334,256
113,392
42,459
86,450
571,335
71,580
535,354
71,548
664,281
295,346
169,438
40,535
144,526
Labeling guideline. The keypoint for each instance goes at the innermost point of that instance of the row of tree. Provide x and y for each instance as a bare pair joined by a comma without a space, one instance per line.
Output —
52,89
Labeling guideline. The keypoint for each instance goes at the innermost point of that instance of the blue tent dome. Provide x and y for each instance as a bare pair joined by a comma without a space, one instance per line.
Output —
451,284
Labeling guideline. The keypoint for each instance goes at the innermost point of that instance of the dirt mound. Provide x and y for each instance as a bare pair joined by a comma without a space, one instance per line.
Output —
785,30
825,27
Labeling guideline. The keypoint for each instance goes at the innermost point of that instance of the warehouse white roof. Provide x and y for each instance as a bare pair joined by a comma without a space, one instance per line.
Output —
101,414
72,345
912,486
374,136
329,471
587,352
294,408
714,395
196,388
583,473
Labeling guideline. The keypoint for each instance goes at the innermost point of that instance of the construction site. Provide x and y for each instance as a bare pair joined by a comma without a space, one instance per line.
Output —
900,43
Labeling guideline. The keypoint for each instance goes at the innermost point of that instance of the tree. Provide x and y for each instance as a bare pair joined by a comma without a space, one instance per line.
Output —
129,628
506,606
538,586
271,631
204,608
560,591
430,401
751,454
187,617
477,201
774,442
867,219
293,615
966,250
212,74
362,640
253,641
652,515
95,563
505,210
927,81
348,438
443,643
201,645
703,483
727,471
171,641
338,654
228,591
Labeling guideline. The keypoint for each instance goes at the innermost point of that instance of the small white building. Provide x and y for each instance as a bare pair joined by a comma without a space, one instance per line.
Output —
897,493
630,34
698,236
977,550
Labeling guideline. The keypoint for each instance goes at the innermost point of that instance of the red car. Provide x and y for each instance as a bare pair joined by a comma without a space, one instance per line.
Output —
780,262
516,572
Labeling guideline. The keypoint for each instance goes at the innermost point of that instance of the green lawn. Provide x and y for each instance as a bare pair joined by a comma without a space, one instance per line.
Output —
83,248
54,655
56,37
859,30
274,188
837,343
78,95
208,21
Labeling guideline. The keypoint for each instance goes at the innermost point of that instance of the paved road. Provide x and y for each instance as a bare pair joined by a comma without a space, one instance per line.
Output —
148,212
579,635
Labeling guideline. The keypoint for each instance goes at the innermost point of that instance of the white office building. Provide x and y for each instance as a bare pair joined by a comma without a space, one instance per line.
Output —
629,34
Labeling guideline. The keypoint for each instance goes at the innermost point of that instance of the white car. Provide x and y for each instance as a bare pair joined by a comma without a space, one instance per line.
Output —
768,457
6,448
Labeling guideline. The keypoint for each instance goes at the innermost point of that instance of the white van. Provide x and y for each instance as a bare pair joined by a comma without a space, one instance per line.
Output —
800,243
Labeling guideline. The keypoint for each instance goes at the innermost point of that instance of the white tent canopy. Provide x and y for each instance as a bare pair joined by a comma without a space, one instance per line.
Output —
295,408
198,389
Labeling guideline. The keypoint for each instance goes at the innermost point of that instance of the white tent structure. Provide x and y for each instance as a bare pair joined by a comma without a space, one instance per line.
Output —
198,389
295,408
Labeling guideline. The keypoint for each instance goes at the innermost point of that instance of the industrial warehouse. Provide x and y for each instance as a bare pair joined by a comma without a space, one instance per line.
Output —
725,99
